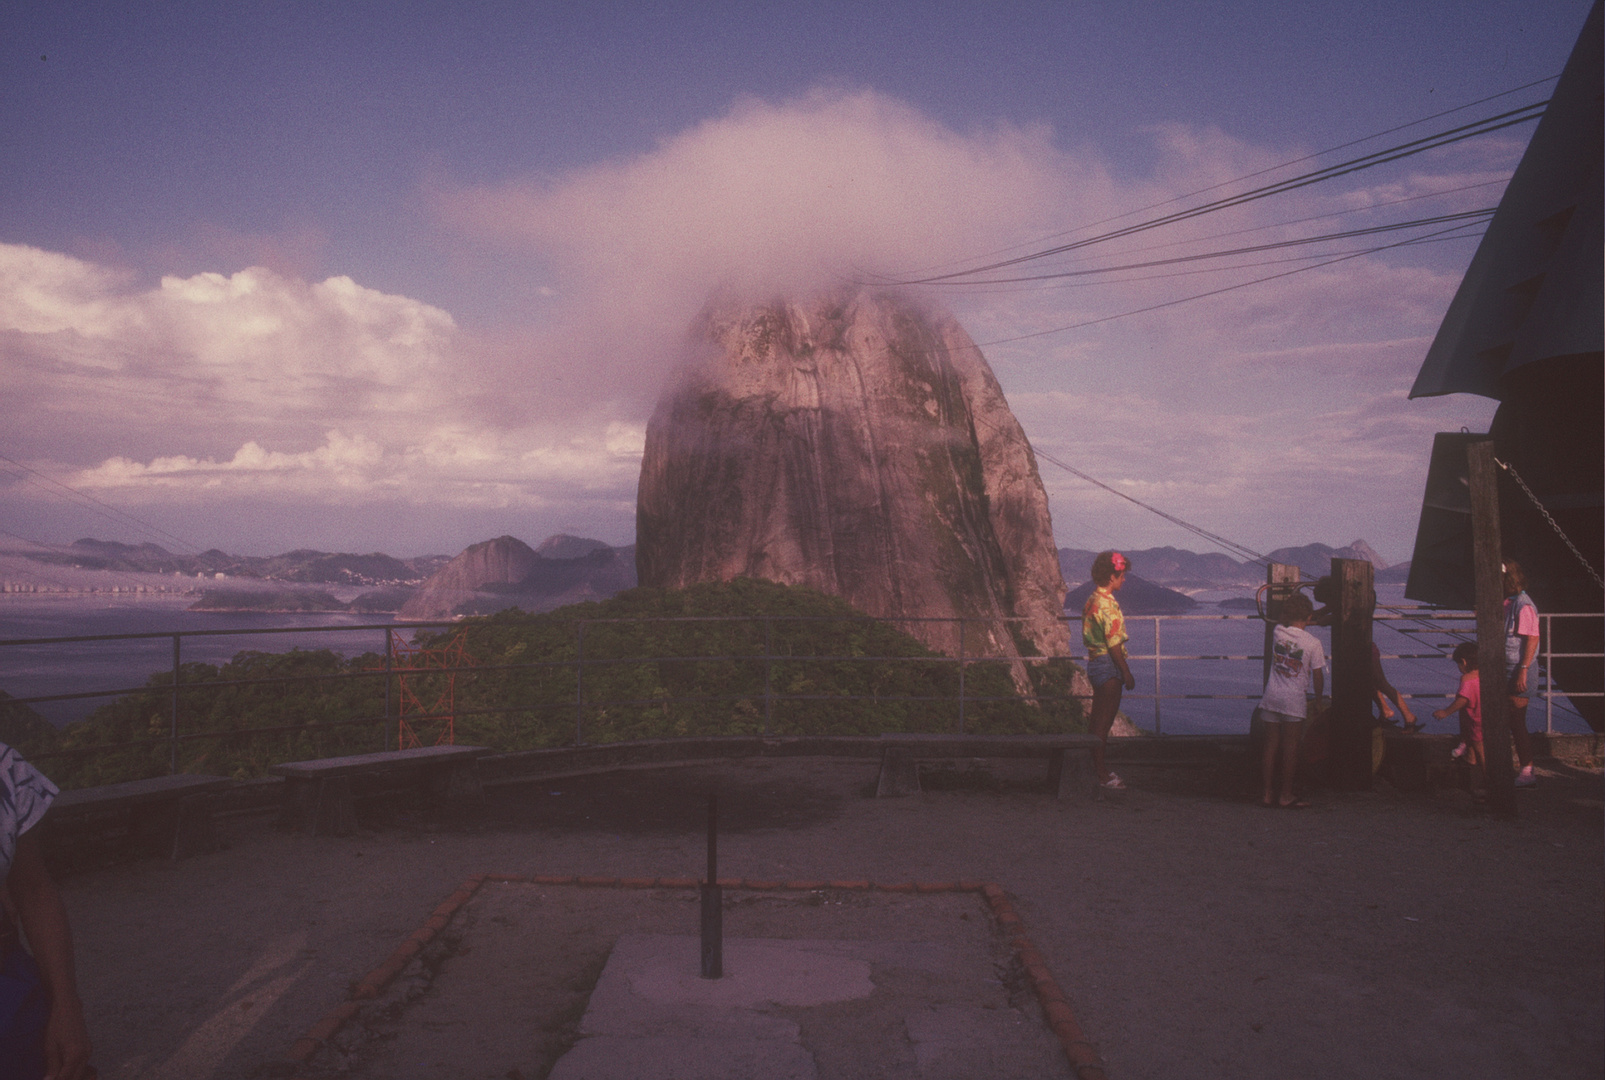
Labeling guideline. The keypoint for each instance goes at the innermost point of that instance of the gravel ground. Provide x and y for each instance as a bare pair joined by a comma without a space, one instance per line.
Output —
1196,933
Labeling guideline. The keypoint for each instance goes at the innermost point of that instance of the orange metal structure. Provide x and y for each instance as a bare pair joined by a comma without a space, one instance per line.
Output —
426,691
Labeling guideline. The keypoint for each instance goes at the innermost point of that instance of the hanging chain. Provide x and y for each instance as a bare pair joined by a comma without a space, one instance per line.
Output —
1516,476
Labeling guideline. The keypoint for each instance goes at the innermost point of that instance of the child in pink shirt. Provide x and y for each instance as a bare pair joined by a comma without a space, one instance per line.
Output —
1468,700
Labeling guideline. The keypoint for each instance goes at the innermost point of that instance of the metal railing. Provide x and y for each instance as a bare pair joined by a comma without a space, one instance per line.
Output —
582,661
1427,617
1427,621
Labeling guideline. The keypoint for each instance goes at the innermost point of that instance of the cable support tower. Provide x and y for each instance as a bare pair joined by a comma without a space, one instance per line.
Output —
426,678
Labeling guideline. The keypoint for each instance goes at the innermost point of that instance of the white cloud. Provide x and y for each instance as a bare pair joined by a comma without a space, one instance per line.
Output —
257,385
1277,403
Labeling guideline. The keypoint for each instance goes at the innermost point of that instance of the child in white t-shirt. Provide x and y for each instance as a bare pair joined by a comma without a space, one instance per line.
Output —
1297,661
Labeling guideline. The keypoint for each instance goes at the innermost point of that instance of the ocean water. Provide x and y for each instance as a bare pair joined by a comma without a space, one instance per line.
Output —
76,667
83,666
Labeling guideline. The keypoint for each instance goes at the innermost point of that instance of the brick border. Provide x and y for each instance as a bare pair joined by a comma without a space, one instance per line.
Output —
1078,1049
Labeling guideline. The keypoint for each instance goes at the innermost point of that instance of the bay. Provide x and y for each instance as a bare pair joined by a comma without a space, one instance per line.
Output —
75,667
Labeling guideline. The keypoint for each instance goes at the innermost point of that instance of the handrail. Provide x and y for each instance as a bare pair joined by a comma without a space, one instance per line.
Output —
767,656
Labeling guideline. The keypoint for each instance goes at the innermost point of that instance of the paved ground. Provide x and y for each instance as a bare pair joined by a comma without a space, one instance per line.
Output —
1197,934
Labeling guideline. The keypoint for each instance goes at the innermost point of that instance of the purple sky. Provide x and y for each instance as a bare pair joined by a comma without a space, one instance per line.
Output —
404,277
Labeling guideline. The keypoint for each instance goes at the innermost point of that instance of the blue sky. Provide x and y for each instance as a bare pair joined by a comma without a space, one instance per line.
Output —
405,276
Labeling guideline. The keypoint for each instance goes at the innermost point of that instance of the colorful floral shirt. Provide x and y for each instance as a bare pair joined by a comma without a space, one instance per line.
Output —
1103,626
25,795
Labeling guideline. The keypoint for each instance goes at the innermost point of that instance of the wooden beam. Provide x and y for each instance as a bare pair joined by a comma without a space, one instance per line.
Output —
1283,581
1352,693
1489,580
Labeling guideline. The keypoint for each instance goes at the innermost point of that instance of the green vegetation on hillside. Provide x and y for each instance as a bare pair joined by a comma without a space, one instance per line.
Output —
675,663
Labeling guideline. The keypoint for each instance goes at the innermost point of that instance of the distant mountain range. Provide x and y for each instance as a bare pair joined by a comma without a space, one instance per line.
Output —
1186,570
506,572
303,566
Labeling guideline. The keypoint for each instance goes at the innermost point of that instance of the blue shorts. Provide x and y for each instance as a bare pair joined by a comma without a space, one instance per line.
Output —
24,1010
1100,669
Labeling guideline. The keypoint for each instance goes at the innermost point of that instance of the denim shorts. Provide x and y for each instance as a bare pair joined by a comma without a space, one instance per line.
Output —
1100,669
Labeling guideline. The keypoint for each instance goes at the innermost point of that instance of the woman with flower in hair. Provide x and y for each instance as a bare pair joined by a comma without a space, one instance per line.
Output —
1103,631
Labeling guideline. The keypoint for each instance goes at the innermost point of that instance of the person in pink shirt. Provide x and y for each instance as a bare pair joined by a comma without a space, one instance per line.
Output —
1521,649
1468,701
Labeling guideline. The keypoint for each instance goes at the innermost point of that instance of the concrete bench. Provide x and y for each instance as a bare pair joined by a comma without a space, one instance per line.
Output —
318,798
1069,758
167,815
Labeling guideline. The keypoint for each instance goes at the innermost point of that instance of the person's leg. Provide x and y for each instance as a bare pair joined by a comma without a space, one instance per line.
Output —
1290,740
1519,737
1477,758
1105,703
1273,734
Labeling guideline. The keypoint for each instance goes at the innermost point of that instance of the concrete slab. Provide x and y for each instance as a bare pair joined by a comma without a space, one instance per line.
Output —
653,1017
962,1042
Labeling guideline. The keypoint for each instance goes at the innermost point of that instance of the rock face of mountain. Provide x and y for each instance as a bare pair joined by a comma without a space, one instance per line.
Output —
860,445
506,572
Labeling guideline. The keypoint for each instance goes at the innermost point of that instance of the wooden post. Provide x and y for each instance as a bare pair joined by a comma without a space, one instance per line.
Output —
1488,578
1282,579
1351,721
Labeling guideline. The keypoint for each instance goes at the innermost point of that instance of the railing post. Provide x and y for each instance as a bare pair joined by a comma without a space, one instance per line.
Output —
768,691
961,675
172,762
579,684
1549,675
390,651
1158,728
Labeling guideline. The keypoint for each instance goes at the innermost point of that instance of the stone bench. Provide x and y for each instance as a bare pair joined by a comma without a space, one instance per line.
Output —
167,815
1069,759
318,796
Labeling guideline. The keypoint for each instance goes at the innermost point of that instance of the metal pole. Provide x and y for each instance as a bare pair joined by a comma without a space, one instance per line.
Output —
768,692
1549,675
1157,650
712,900
961,676
579,686
389,652
172,762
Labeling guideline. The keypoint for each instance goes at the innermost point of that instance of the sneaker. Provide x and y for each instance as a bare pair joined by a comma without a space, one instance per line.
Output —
1525,778
1114,783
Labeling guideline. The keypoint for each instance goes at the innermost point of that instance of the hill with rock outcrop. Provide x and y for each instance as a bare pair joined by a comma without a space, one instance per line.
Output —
506,572
858,444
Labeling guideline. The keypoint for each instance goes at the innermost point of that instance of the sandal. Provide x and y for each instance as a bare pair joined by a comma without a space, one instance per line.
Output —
1113,783
1296,804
